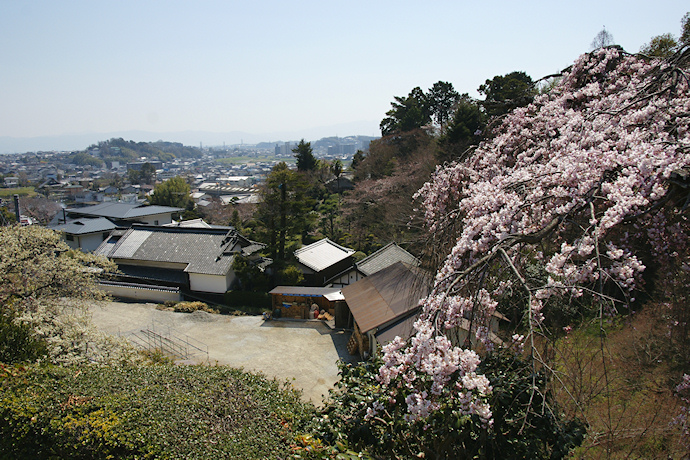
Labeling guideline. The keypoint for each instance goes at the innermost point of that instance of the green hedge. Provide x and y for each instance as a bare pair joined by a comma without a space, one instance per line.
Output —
154,411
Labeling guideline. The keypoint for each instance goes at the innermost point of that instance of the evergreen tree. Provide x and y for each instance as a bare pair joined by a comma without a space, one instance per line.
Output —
284,209
306,161
408,113
505,93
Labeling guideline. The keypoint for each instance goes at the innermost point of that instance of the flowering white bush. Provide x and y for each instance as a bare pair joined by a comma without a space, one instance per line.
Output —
577,181
72,338
50,287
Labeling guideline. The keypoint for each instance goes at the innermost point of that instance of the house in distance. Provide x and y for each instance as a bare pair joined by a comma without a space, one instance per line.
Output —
87,227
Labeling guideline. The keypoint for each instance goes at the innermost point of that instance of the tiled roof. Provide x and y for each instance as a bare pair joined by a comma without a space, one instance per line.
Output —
85,226
116,210
385,257
196,223
322,254
204,251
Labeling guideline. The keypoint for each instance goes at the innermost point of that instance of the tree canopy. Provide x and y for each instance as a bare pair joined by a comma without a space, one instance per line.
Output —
663,46
173,192
408,113
283,212
420,109
603,39
506,92
465,128
441,99
45,289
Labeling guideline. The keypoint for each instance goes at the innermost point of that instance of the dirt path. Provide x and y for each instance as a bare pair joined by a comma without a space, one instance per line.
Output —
304,353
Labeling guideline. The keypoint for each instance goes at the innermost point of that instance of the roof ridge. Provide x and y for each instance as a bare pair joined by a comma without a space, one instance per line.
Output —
163,228
322,242
376,253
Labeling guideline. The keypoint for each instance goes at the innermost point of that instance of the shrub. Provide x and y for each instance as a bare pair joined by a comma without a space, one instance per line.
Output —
157,411
526,423
18,342
290,276
191,307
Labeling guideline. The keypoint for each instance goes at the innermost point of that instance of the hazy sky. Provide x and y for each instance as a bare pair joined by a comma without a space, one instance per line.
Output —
69,67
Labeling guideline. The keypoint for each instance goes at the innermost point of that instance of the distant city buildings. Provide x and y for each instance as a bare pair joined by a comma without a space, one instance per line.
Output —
283,149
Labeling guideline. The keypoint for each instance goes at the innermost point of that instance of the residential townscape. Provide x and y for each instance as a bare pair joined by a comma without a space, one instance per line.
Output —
163,257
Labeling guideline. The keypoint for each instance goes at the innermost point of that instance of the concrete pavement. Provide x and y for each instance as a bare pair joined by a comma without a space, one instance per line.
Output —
302,352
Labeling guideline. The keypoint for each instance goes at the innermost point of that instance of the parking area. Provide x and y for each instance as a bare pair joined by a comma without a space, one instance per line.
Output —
303,352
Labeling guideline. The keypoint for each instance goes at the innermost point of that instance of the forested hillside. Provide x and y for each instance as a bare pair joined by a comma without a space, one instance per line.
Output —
124,151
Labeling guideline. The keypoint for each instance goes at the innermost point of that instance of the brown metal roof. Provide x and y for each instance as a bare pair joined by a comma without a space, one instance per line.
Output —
386,295
331,294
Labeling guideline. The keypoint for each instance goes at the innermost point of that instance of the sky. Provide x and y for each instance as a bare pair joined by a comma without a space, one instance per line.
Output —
269,68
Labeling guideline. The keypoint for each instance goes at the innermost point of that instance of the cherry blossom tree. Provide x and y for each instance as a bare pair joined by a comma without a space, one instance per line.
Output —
589,183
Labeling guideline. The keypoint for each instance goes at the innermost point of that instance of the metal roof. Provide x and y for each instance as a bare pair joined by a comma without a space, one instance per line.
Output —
85,226
385,257
322,254
116,210
331,294
196,223
387,295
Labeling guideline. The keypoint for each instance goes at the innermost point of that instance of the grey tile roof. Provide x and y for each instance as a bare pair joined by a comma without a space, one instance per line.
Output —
385,257
116,210
204,251
85,226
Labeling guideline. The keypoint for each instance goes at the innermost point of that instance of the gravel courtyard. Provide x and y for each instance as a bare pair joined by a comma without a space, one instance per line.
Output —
302,352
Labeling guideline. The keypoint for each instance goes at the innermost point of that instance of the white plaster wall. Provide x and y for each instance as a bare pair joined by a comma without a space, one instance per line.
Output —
135,293
346,279
210,283
161,218
89,243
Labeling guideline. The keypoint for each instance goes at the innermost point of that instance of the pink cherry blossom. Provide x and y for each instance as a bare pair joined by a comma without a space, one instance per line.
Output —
587,166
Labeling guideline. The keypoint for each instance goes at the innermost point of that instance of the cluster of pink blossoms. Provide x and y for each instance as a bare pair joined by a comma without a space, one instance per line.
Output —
586,165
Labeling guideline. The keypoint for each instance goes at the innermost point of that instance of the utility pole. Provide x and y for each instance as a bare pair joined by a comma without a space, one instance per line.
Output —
16,209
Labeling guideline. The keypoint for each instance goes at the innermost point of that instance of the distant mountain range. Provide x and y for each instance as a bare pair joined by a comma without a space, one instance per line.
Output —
68,142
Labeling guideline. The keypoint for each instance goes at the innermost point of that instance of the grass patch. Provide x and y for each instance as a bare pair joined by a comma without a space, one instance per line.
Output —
21,191
152,411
